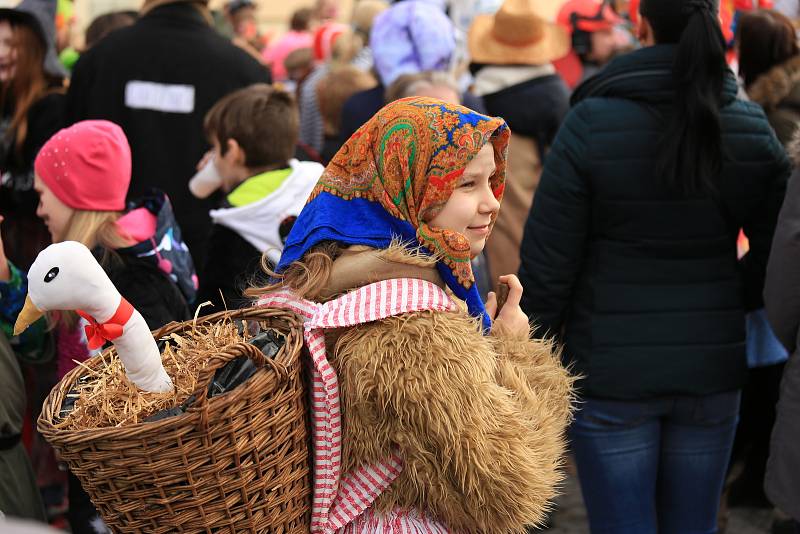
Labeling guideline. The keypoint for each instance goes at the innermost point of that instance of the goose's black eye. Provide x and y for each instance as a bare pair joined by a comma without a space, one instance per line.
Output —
51,274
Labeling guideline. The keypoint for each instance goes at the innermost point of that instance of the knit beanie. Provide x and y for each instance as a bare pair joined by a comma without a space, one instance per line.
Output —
87,166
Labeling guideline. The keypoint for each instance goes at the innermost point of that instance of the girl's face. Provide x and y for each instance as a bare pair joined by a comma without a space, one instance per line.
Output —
472,206
55,214
8,52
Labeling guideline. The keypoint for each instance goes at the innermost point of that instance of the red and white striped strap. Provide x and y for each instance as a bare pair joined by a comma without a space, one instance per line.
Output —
338,499
397,521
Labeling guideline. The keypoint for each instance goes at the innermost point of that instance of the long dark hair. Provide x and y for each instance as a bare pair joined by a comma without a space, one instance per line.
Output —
691,150
30,81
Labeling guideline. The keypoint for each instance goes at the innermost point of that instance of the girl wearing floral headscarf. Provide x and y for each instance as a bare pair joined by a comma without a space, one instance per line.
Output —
429,416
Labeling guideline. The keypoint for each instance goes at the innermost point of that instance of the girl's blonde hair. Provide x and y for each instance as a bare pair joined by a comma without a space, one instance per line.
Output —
306,277
97,228
309,276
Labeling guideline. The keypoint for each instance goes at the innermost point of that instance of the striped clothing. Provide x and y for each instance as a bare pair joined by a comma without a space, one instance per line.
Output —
395,522
339,498
312,126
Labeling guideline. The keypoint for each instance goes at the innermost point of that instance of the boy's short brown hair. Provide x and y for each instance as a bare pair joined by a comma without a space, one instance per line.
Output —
263,120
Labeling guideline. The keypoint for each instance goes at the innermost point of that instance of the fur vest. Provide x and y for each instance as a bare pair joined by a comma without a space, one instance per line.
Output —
479,420
778,92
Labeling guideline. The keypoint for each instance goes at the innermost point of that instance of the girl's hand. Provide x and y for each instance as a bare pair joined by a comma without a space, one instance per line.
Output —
511,320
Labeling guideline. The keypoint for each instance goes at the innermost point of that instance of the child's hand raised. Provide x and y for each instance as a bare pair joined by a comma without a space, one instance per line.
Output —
510,320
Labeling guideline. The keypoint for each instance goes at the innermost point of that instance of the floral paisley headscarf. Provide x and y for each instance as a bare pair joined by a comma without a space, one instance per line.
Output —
393,176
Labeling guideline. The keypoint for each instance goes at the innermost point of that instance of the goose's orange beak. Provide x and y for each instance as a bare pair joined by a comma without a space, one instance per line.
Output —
29,315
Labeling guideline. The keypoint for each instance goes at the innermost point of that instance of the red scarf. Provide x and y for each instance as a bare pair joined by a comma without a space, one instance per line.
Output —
98,333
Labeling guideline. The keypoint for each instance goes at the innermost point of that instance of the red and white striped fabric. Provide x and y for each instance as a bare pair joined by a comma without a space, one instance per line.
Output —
395,522
341,498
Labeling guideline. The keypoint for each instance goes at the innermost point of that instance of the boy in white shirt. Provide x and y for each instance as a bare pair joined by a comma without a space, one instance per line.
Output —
253,132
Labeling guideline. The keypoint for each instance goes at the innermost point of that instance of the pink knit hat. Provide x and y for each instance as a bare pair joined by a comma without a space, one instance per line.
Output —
87,166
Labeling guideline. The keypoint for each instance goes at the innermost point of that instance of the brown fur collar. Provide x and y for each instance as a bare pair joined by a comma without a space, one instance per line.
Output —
359,266
776,84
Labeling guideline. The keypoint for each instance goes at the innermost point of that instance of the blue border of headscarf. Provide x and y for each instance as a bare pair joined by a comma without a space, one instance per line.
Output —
364,222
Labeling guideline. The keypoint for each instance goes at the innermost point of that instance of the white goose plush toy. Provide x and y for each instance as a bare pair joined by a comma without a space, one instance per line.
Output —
65,276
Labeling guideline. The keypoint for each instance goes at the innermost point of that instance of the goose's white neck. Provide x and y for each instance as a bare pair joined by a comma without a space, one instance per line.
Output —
135,346
103,309
139,352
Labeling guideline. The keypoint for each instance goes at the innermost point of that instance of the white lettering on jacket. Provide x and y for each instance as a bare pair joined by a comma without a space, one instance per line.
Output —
171,98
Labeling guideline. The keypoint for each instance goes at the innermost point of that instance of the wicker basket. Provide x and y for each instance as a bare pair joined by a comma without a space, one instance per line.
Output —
237,462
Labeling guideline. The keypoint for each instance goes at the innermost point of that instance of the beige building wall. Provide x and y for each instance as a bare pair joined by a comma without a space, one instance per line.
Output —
273,15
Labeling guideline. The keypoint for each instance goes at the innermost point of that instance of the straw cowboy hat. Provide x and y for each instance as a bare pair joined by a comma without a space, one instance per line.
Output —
522,32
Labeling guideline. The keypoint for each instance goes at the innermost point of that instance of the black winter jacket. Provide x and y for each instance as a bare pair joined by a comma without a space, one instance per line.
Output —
148,289
534,108
45,117
157,79
233,266
642,284
782,300
24,234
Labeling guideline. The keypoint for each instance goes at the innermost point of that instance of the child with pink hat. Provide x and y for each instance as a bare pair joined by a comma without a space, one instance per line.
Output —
82,176
86,167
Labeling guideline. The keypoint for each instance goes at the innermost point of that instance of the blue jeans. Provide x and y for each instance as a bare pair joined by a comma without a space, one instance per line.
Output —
654,466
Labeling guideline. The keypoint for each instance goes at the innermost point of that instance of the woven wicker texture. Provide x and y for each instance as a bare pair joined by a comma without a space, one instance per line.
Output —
238,462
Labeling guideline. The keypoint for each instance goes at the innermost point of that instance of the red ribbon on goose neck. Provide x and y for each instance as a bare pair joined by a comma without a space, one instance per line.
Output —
98,333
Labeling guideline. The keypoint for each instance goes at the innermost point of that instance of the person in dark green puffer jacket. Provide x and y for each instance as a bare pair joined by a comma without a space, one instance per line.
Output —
629,260
19,495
